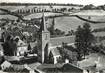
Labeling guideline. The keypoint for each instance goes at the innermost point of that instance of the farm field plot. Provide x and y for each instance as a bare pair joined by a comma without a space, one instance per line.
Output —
11,17
12,8
98,34
91,13
71,23
68,23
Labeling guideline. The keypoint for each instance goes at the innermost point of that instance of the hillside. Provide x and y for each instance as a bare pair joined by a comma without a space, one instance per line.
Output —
62,23
68,23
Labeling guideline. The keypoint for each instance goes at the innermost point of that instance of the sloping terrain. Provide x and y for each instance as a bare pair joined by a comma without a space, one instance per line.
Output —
63,23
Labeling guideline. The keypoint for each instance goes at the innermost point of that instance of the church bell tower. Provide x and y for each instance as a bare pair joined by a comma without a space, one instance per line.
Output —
44,39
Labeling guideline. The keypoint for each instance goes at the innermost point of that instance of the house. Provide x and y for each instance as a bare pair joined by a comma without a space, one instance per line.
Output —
21,50
23,68
17,68
5,65
33,44
21,47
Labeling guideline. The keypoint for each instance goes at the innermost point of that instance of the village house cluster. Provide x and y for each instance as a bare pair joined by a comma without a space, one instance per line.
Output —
18,43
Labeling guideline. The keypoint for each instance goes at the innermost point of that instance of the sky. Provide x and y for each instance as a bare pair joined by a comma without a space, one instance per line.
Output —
83,2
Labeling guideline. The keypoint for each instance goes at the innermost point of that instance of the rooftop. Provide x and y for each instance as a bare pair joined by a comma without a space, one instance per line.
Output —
59,67
55,52
59,40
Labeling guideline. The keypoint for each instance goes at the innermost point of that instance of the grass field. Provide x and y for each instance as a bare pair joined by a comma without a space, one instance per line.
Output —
100,34
68,23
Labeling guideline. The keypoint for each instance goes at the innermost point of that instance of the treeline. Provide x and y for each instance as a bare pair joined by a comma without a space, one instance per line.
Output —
84,7
92,7
34,10
56,4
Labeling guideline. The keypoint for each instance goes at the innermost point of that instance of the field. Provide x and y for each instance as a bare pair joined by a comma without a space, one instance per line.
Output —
101,34
68,23
63,23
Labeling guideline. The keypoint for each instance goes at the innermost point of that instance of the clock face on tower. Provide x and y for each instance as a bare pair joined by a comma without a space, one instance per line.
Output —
45,36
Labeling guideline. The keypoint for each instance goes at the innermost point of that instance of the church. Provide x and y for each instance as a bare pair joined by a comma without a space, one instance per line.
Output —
49,45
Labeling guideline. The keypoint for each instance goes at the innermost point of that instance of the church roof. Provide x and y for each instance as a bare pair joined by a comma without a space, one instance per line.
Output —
59,40
55,52
34,65
70,68
33,44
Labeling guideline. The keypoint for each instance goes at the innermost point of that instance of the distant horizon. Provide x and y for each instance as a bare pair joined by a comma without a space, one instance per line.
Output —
40,3
78,2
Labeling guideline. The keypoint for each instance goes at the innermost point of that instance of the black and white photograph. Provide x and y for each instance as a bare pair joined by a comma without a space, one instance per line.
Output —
52,36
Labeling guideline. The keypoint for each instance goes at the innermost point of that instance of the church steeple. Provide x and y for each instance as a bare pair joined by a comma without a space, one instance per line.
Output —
44,41
43,23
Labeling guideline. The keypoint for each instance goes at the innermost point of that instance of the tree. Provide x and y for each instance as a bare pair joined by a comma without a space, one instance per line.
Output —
88,36
65,52
59,32
51,28
63,9
87,7
83,40
78,41
98,49
71,32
